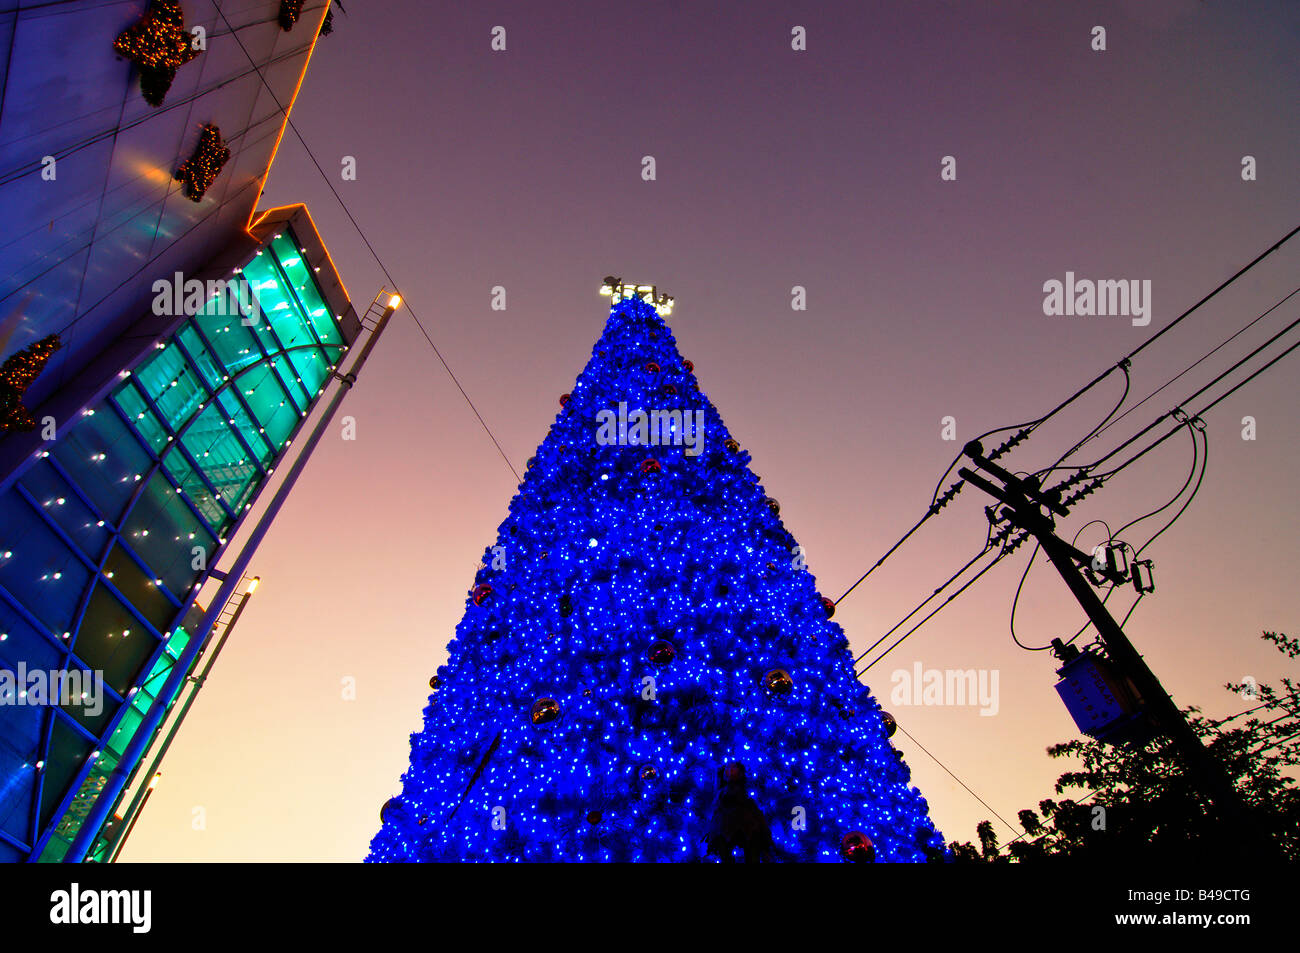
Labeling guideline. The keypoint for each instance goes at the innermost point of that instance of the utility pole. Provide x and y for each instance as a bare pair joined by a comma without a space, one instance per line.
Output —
1024,502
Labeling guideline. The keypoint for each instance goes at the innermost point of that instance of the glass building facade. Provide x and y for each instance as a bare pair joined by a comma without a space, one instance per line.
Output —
110,531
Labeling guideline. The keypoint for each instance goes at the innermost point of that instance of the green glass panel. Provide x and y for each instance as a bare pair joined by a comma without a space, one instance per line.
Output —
172,384
176,644
103,458
211,371
233,344
221,456
289,379
230,405
278,304
275,412
183,476
163,532
125,730
310,369
144,420
303,282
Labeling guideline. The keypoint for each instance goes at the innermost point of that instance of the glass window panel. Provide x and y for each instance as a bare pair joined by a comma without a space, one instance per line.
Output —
275,412
232,342
113,641
87,794
140,590
125,730
104,459
310,367
289,379
278,305
201,357
163,532
94,707
230,405
37,567
181,399
144,420
69,749
20,732
303,281
21,725
20,642
66,509
221,456
182,475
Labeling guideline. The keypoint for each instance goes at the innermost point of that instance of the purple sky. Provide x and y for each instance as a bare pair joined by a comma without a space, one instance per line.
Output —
774,169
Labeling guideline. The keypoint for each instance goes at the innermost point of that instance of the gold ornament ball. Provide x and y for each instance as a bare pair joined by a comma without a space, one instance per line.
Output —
778,682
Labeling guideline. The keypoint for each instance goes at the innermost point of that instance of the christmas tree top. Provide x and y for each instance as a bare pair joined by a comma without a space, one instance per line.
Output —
645,669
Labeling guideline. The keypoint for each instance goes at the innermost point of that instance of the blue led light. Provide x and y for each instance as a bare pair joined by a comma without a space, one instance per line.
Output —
600,558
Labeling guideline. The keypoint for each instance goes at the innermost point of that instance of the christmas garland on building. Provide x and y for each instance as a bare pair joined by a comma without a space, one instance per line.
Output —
197,173
158,44
16,375
290,10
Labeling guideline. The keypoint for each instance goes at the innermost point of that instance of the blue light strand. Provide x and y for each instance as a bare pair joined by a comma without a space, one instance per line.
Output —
602,559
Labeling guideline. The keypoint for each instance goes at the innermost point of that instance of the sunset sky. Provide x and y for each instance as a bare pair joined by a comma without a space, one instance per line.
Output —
775,169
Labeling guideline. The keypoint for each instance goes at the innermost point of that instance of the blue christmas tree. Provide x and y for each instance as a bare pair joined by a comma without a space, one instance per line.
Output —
645,670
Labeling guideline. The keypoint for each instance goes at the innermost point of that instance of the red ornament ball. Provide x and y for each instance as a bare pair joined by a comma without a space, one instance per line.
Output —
650,465
648,772
389,806
731,444
773,505
856,848
669,389
688,365
544,711
434,682
564,399
593,818
778,682
829,606
651,367
891,725
481,593
661,652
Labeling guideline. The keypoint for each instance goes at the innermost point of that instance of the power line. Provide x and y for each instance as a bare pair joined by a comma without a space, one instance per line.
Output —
1191,474
1176,377
1128,383
1195,420
899,641
955,778
374,254
1024,430
974,559
1151,426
